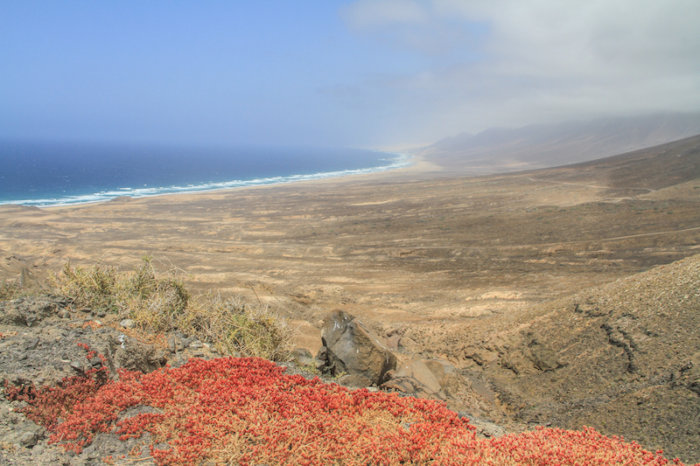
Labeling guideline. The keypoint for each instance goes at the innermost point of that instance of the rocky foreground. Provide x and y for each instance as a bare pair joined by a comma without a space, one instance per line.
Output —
622,358
39,346
44,341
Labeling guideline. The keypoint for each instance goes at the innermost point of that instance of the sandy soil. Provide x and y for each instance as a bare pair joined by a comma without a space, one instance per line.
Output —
483,271
413,247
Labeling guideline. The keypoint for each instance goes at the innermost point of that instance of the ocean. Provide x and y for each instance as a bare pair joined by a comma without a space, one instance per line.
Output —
50,174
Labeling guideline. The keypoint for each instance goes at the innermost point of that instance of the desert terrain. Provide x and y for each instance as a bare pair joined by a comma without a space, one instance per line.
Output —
447,266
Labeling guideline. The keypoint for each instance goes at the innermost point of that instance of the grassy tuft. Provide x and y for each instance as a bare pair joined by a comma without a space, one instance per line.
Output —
161,303
95,288
157,304
234,326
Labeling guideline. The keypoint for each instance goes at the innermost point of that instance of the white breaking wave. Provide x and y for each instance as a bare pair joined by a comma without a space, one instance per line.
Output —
400,161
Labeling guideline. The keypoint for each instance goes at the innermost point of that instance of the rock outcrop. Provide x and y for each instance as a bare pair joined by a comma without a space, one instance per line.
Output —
39,339
43,340
414,377
349,347
359,358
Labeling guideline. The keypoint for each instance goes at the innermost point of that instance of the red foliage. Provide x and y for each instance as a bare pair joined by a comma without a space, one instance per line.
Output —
47,405
246,411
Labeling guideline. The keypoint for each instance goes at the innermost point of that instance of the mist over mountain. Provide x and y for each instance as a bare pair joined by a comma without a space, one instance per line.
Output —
537,146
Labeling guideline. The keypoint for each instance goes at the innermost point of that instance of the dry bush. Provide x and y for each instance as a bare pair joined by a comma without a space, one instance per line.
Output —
234,326
161,303
156,304
140,295
10,289
94,288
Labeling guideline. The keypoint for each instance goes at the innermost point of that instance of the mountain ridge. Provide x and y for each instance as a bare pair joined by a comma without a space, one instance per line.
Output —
545,145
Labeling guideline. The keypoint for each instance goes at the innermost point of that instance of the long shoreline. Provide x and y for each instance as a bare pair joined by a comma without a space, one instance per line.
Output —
400,163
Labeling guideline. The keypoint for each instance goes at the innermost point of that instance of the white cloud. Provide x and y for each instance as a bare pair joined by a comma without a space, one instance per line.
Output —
540,60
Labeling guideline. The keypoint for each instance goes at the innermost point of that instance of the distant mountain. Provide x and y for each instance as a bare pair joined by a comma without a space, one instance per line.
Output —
538,146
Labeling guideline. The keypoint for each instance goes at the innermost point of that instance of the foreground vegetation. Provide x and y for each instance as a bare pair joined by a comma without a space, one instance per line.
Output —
11,289
247,411
235,410
159,303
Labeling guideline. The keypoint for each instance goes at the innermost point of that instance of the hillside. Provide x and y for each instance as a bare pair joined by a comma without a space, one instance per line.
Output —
536,146
623,358
391,250
642,171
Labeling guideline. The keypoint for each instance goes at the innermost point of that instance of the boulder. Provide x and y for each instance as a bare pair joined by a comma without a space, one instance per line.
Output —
421,373
414,377
484,428
444,371
131,354
426,378
452,383
407,386
349,347
354,381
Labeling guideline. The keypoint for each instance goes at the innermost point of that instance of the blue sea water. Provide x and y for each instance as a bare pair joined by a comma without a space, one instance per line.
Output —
48,174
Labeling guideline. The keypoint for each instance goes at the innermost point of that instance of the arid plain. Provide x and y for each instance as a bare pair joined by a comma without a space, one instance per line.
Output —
435,261
407,248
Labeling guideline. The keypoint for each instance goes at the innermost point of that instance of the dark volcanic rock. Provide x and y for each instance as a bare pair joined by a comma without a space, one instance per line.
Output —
39,339
28,311
133,355
350,347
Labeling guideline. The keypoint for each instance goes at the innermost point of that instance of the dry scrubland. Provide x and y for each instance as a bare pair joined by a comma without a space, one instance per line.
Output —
494,273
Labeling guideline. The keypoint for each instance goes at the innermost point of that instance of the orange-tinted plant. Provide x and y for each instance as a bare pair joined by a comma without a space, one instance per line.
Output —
247,411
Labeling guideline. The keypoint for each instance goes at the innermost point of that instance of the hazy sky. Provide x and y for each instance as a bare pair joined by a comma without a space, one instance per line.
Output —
365,73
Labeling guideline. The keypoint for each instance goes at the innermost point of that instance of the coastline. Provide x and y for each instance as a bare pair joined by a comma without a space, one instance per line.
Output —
400,164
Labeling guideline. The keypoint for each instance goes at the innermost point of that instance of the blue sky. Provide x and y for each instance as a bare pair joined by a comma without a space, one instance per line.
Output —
366,73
